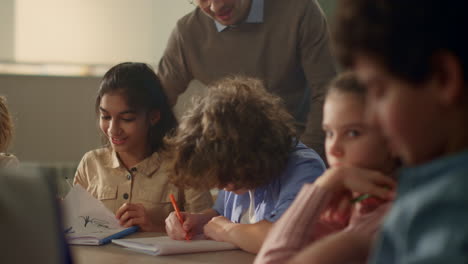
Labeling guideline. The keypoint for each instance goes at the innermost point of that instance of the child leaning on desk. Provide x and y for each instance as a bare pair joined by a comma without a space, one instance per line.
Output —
413,58
125,175
331,221
241,139
6,134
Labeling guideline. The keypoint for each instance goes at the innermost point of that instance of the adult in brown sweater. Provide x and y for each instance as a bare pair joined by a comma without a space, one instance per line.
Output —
283,43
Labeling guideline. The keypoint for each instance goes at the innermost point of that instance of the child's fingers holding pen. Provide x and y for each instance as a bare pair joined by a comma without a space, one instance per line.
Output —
174,228
187,225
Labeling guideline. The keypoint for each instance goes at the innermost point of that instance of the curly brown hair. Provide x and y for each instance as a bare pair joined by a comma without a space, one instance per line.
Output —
6,125
238,134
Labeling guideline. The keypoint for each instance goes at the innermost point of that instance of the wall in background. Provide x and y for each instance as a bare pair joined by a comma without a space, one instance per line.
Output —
94,32
89,31
7,30
54,116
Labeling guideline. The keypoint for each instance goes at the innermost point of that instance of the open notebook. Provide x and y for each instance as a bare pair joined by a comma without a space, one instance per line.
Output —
164,245
88,221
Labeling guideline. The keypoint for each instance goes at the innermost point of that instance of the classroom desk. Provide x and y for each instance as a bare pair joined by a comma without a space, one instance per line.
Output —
114,254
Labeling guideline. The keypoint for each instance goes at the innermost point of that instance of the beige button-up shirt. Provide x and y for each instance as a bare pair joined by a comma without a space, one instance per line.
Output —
101,173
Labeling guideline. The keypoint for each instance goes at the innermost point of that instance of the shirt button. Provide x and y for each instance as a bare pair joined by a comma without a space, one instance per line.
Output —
134,169
129,177
125,196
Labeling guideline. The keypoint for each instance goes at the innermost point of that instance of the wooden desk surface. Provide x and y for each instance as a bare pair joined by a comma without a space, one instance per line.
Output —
113,254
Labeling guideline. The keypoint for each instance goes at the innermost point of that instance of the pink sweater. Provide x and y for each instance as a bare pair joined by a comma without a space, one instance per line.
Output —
300,225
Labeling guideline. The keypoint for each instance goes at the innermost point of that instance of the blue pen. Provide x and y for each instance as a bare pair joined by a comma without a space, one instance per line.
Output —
120,234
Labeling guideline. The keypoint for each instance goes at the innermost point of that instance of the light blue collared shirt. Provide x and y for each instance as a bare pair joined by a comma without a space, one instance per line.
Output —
271,200
429,220
255,15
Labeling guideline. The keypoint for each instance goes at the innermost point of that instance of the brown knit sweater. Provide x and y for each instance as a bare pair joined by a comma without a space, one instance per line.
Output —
289,51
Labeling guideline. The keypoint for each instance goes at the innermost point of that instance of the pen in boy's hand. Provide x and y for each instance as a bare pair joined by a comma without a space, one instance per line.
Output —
177,212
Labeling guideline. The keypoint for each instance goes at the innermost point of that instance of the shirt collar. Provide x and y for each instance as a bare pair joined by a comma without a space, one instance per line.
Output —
145,167
114,161
255,15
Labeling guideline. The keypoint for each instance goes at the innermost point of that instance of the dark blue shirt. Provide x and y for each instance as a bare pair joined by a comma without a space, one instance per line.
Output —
429,220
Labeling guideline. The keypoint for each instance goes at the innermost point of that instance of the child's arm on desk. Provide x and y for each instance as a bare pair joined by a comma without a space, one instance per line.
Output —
248,237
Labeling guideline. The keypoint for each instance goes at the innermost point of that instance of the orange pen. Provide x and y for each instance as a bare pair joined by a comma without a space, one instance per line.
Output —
177,212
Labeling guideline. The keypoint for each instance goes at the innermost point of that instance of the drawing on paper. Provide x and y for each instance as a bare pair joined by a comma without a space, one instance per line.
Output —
97,222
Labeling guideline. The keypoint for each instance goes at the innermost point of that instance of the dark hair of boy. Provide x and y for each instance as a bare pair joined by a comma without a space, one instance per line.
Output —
403,36
237,134
144,92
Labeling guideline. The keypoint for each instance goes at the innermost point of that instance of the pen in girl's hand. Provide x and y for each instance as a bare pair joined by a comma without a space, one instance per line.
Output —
361,198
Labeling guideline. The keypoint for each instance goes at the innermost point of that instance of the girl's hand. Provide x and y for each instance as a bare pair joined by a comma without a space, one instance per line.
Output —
366,225
338,210
131,214
343,182
350,179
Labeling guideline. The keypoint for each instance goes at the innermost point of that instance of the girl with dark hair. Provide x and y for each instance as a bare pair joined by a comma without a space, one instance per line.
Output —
134,117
